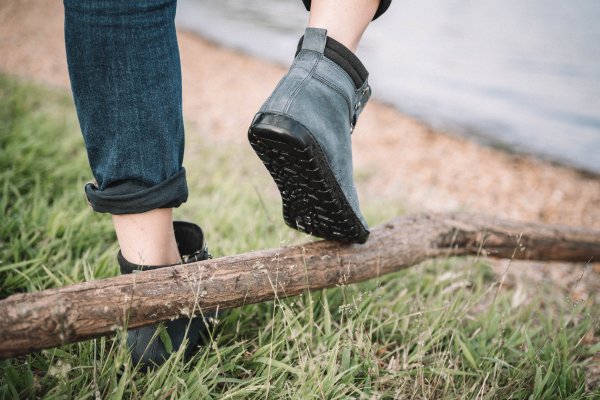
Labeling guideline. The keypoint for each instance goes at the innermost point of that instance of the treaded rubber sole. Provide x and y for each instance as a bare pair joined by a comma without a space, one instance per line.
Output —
312,199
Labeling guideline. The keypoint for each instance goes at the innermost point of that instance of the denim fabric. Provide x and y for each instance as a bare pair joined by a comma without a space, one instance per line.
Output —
123,61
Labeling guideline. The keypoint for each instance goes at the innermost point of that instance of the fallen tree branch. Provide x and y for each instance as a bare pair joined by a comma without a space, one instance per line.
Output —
34,321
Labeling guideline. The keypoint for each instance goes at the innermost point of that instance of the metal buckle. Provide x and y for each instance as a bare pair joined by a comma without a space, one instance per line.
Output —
199,255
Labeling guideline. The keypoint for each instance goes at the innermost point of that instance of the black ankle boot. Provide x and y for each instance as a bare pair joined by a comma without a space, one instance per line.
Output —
146,346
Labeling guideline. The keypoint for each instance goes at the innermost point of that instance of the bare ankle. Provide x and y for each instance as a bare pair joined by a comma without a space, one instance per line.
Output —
345,20
147,238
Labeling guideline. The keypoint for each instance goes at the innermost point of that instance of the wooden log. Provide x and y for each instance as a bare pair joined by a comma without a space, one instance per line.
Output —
34,321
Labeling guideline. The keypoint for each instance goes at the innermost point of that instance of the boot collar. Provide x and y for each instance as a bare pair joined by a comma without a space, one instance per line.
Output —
316,39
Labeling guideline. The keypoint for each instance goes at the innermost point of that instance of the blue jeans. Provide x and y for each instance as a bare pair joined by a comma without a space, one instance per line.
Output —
123,61
125,73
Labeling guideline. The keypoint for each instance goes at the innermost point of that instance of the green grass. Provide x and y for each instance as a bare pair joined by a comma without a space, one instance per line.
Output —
431,331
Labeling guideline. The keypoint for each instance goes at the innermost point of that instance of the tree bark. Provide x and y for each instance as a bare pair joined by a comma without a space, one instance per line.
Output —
35,321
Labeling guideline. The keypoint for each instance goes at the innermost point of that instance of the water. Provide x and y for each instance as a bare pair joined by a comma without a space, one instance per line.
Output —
519,74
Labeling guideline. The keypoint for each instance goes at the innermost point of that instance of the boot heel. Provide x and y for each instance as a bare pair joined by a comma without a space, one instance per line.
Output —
312,199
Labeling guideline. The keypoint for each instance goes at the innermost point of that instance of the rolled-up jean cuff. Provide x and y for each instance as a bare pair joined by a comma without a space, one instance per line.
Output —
133,198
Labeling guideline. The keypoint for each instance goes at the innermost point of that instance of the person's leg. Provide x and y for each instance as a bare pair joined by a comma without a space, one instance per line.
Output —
381,8
125,75
123,61
345,20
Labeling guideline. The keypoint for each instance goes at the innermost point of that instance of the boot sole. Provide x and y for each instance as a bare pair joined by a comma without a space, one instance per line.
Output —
313,201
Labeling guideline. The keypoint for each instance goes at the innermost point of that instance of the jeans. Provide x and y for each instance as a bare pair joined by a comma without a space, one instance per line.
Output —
125,73
123,61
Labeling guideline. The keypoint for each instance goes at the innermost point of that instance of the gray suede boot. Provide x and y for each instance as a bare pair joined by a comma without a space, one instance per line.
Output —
302,135
146,345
